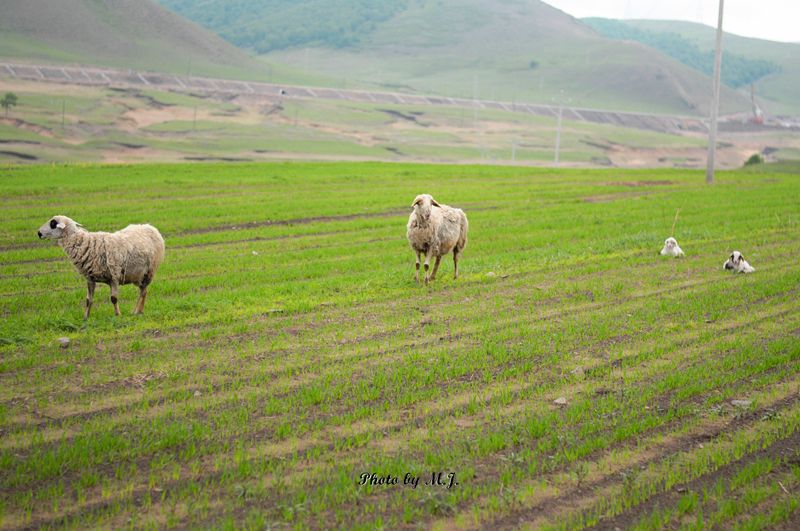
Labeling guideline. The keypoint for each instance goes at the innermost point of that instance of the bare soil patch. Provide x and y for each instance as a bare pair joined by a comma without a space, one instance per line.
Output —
27,126
636,184
18,155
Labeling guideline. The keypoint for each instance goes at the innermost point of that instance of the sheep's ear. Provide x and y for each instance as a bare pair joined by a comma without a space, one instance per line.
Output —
416,201
61,225
434,203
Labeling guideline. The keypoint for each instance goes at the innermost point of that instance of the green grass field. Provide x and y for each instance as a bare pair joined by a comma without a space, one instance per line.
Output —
285,350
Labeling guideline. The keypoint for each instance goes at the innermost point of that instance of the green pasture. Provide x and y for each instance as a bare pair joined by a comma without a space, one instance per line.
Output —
285,350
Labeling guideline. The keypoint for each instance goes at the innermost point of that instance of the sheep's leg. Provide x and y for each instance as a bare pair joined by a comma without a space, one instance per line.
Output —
115,296
90,285
140,303
428,264
142,295
455,263
416,274
435,267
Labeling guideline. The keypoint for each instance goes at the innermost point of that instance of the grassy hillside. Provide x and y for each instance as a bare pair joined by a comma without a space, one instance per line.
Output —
516,49
285,351
777,92
737,70
269,25
136,34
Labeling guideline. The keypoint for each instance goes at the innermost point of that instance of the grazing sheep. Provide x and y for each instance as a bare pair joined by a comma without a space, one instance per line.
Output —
671,248
737,263
435,230
129,256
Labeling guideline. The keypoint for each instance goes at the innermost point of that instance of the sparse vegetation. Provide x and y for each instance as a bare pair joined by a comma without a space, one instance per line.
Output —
286,350
755,158
132,125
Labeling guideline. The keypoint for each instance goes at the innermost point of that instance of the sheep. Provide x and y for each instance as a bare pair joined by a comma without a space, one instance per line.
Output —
129,256
434,230
737,263
671,248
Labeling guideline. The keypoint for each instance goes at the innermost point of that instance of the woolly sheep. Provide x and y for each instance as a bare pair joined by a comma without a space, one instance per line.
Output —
737,263
129,256
671,248
435,230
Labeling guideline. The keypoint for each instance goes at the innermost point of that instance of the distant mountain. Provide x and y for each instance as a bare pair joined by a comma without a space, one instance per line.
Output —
737,70
778,90
135,34
491,49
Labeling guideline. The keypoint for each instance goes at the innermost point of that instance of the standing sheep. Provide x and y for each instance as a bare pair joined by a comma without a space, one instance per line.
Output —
435,230
129,256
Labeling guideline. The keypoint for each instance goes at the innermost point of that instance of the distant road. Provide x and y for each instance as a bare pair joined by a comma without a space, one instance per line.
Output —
84,75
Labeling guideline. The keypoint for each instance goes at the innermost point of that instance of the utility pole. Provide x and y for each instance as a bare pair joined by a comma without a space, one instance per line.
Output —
474,101
558,126
712,133
558,129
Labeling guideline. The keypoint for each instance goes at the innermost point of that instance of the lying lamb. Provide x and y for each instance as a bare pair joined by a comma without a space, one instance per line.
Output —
737,263
129,256
435,230
671,248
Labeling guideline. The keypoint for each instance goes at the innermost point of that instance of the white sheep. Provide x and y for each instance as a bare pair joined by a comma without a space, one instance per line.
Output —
129,256
737,263
435,230
671,248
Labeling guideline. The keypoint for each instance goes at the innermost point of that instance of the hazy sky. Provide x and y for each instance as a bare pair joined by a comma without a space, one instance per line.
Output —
776,20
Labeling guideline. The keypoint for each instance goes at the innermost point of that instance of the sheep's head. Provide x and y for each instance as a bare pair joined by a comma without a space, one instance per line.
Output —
733,260
670,246
56,227
422,205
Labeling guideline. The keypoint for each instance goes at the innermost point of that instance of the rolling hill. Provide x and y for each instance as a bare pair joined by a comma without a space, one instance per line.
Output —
268,25
777,91
136,34
511,50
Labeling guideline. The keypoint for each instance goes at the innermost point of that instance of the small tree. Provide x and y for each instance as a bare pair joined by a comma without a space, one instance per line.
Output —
754,159
9,100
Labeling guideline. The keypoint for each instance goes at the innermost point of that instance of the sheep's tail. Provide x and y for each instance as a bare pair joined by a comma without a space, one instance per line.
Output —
158,248
462,235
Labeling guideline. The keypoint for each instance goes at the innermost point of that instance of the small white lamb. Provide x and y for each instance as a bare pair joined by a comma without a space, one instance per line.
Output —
671,248
434,230
129,256
737,263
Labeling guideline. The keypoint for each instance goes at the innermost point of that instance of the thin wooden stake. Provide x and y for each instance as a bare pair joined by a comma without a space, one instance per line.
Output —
674,222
